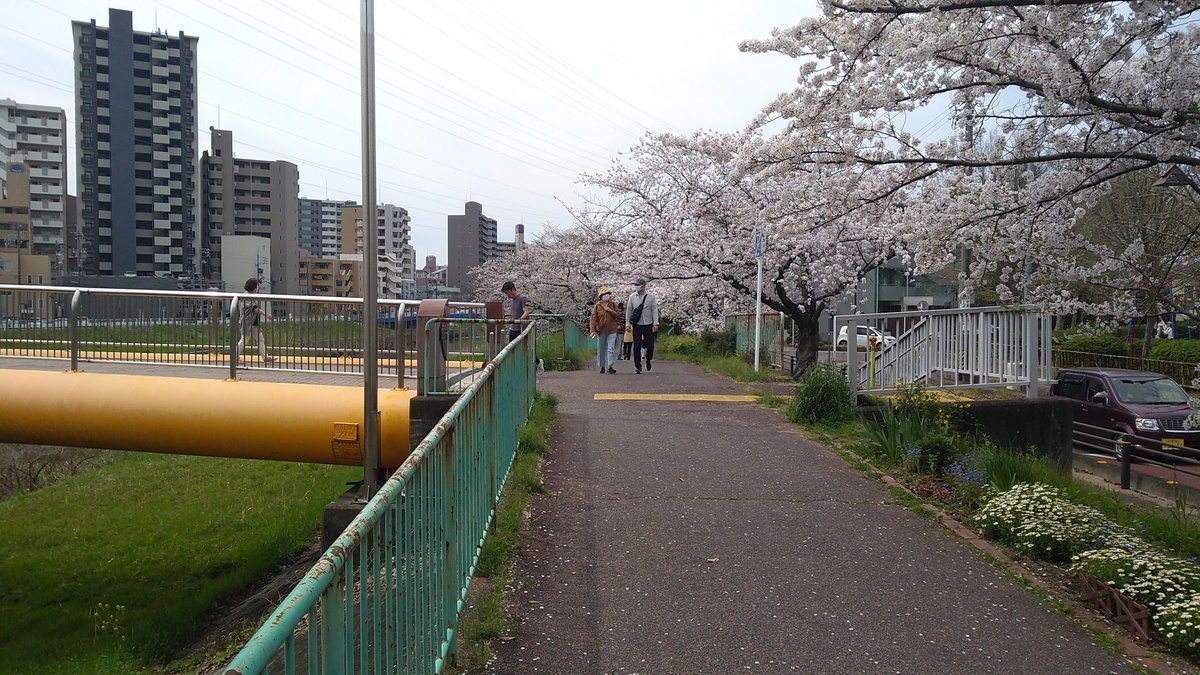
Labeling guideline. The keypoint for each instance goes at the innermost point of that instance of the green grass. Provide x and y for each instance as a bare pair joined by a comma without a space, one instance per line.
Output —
488,617
113,570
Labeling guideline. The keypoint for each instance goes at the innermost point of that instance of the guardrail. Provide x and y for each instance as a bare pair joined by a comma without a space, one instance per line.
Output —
1128,448
386,596
307,334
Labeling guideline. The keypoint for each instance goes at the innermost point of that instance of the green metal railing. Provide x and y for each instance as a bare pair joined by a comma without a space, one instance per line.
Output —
770,338
386,596
574,337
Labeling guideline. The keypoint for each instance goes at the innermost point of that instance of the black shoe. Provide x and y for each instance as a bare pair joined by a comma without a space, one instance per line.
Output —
648,366
638,371
612,371
601,371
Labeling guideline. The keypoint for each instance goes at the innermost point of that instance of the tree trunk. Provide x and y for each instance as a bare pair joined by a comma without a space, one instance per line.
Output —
1146,340
808,341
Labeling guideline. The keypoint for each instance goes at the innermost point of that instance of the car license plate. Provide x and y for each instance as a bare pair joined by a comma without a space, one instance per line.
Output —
1177,442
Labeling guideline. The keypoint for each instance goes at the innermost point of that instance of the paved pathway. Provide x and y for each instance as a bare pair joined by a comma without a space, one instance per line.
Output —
711,537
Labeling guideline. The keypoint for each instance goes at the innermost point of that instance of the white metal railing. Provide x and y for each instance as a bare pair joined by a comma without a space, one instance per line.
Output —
304,334
976,347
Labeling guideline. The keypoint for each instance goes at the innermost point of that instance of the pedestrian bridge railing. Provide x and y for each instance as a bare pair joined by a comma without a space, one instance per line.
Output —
953,349
307,334
386,596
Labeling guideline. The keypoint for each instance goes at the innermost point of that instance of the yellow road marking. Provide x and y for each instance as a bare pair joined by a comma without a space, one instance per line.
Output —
677,397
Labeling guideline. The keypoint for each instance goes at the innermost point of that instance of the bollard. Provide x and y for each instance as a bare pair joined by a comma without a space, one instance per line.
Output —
1125,447
496,337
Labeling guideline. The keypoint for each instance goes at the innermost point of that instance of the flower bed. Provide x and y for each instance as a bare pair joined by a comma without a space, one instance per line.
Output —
1123,574
1129,567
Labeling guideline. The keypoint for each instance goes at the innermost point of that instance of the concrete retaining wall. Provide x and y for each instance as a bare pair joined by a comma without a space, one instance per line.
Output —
1041,424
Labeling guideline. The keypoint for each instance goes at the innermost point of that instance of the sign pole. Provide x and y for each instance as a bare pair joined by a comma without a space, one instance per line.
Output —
758,253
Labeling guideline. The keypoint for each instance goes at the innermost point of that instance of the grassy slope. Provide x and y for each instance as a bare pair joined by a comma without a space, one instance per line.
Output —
115,568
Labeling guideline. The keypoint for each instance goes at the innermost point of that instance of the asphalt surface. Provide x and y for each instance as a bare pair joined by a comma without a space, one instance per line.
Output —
697,537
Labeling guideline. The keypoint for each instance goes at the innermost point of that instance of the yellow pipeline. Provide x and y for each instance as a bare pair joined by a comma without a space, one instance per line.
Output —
255,420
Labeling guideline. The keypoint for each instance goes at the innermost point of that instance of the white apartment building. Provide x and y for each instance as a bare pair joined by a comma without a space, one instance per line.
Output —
39,134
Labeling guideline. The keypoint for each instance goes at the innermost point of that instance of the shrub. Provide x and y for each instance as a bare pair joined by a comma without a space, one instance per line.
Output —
684,345
913,399
1006,468
1184,351
719,343
897,437
822,396
934,452
1096,344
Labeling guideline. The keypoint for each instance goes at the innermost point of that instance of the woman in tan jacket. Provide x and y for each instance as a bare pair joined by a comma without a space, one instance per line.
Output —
605,325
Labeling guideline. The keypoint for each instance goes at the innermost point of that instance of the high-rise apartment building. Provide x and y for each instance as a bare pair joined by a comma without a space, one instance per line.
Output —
251,197
471,241
321,226
36,137
135,167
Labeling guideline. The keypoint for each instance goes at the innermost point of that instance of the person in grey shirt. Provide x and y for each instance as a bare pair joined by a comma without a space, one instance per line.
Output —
520,308
641,312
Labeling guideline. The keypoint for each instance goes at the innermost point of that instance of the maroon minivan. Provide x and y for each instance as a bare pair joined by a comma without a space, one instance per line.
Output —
1134,402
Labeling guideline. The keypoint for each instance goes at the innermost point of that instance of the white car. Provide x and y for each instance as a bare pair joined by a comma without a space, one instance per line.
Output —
864,336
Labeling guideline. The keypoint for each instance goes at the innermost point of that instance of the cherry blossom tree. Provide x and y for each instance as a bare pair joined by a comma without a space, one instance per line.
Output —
687,214
1072,95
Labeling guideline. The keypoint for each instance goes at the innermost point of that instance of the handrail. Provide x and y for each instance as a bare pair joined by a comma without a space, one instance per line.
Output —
988,346
202,328
387,594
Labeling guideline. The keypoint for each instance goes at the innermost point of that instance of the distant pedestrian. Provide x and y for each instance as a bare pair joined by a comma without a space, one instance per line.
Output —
251,314
520,308
604,325
641,312
627,343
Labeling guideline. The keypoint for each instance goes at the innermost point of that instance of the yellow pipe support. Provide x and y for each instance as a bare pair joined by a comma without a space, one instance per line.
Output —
216,418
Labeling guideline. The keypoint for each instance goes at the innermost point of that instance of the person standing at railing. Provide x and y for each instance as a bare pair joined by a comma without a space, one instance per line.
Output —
251,315
604,325
641,312
520,308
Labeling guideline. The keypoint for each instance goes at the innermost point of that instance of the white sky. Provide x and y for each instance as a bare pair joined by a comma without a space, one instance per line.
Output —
503,103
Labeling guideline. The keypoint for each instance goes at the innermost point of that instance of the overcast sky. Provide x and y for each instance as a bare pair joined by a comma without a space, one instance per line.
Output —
504,103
